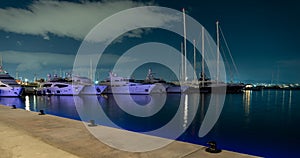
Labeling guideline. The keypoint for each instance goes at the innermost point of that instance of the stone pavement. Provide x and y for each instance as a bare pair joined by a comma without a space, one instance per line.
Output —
26,134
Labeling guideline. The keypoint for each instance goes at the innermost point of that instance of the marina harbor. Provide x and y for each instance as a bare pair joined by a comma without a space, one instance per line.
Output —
149,79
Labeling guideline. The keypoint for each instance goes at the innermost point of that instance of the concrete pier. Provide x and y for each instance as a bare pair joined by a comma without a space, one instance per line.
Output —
26,134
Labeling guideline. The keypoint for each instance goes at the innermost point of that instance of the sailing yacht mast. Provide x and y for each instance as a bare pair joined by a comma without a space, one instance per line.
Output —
218,51
203,78
184,41
195,76
182,62
91,69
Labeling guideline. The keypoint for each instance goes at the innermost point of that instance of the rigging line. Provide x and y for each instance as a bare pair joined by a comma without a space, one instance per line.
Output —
198,39
196,42
227,63
229,52
208,51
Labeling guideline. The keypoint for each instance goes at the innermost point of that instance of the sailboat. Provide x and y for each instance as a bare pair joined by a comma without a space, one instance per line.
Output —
205,84
59,86
168,87
120,85
231,87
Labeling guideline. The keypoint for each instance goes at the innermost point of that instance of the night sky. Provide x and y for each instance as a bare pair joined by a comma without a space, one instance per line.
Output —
41,37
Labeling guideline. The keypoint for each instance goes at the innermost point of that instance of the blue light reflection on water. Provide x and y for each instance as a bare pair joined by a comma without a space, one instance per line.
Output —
263,123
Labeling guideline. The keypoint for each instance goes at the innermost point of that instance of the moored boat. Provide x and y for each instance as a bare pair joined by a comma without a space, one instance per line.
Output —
120,85
8,85
59,86
89,87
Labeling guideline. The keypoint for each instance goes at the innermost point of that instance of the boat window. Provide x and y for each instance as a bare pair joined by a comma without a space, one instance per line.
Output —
3,85
61,85
47,85
14,85
98,89
7,77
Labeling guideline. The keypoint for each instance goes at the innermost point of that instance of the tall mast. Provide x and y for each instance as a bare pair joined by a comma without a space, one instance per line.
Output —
182,63
17,75
91,69
60,73
218,51
184,41
194,43
203,78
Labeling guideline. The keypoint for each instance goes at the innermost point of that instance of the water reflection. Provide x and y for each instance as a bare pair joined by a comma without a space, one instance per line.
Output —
34,103
9,101
175,115
290,106
283,98
266,113
202,107
27,104
140,105
56,105
269,97
185,112
247,101
89,106
276,96
290,99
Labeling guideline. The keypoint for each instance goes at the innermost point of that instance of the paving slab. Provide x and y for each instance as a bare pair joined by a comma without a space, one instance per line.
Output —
27,134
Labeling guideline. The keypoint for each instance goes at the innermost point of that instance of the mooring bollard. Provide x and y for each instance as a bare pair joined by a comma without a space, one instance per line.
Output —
42,112
212,147
92,123
14,107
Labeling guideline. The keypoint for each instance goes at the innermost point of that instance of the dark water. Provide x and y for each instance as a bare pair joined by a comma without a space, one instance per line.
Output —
263,123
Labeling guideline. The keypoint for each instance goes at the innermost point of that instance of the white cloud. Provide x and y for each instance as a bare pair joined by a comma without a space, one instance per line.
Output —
75,20
60,18
29,61
38,61
133,22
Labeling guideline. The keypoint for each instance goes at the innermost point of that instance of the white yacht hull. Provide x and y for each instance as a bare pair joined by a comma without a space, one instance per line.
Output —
137,89
54,90
93,89
11,91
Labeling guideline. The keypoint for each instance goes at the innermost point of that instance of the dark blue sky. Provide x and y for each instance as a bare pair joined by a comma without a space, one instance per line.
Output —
35,37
